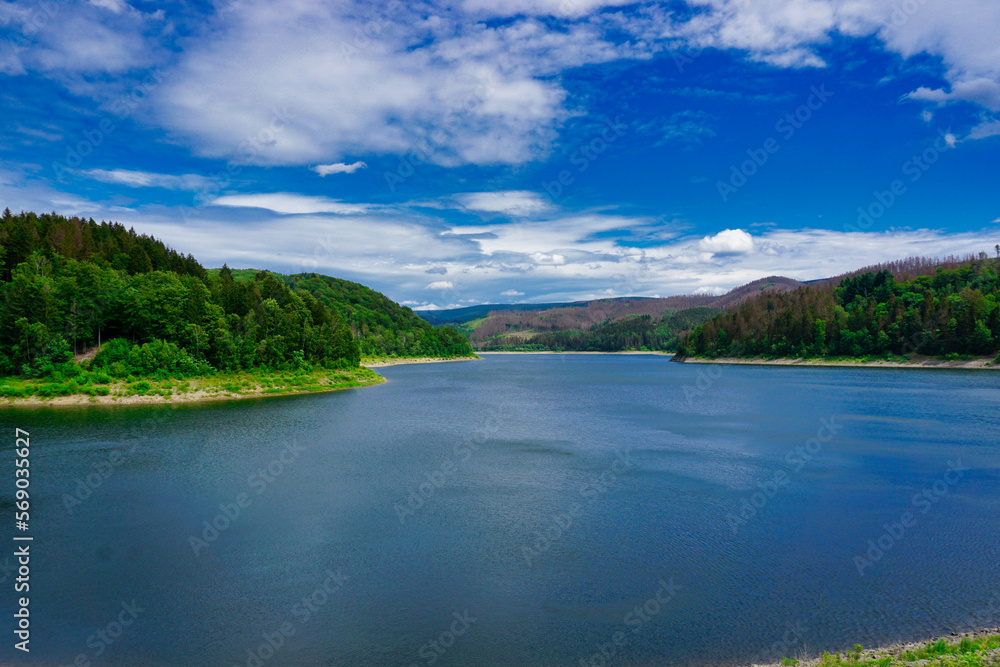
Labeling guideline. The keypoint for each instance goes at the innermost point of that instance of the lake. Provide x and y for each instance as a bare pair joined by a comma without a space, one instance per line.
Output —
519,510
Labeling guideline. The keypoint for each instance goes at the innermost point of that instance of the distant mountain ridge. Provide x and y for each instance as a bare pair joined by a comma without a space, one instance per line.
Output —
597,325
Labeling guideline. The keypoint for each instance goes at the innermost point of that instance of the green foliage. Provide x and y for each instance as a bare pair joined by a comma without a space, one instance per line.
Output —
68,285
382,327
953,312
967,652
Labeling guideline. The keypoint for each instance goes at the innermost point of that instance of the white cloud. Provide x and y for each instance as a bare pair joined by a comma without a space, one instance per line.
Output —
542,258
558,8
559,259
338,168
511,292
981,91
449,91
996,221
728,242
286,202
116,6
510,202
146,179
987,128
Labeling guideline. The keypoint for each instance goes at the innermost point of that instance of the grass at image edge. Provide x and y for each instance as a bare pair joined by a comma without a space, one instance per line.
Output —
968,651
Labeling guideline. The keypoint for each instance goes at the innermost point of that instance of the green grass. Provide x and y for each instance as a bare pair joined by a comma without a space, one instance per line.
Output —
257,382
966,652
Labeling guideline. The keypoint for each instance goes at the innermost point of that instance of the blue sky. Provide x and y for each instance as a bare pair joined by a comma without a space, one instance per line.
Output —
531,150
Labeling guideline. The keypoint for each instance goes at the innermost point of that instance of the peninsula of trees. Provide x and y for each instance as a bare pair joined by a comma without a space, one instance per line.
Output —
129,307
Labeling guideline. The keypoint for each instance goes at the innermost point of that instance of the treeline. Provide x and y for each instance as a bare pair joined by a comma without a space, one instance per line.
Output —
952,313
638,332
70,284
382,327
75,238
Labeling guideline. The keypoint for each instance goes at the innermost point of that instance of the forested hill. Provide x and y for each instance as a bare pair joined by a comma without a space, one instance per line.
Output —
948,312
381,326
68,284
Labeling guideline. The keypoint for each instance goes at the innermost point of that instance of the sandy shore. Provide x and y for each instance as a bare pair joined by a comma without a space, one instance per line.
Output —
981,363
405,361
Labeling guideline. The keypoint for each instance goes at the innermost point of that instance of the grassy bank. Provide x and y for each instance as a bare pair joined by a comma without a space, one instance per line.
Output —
974,649
93,387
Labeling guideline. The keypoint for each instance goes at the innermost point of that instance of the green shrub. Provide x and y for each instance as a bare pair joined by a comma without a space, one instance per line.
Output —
141,387
50,390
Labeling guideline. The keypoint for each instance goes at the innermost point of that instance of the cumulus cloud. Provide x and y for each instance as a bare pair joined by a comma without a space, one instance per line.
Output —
338,168
728,242
441,285
511,292
415,85
306,82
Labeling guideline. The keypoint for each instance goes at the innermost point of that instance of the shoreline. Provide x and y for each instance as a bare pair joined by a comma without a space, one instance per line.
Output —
894,652
202,391
626,352
981,363
406,361
199,393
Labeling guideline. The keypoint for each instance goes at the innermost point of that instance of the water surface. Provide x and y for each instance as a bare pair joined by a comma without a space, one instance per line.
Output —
520,510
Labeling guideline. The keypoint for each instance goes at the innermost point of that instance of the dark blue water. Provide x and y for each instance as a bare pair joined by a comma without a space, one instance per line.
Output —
610,509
